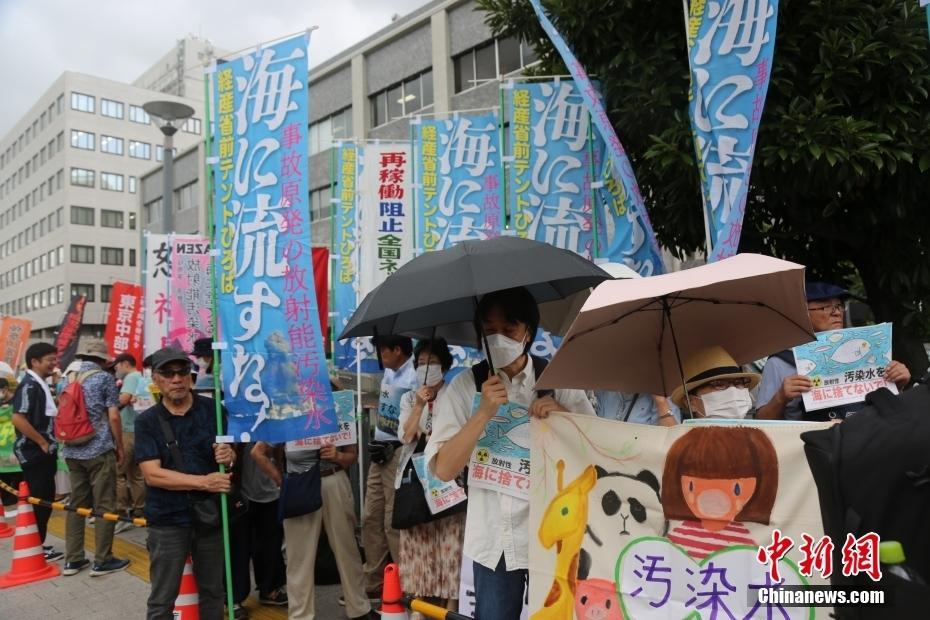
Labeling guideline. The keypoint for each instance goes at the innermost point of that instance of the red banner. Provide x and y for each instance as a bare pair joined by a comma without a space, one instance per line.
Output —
124,321
14,335
321,283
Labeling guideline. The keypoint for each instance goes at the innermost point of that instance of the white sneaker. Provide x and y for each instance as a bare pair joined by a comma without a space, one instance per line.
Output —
122,526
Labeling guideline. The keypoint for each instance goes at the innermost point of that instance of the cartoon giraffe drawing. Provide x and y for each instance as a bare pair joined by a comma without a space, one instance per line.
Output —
563,525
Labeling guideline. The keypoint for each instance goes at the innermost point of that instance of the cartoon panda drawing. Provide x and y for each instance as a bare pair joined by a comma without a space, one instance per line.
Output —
621,508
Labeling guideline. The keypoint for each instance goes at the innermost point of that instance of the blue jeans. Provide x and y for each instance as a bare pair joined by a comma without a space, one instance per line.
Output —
499,593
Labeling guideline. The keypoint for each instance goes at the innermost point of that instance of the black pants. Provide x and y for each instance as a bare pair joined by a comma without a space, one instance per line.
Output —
12,478
168,548
256,536
41,480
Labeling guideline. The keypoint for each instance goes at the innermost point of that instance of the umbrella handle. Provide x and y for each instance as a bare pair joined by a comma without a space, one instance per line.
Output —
374,331
484,341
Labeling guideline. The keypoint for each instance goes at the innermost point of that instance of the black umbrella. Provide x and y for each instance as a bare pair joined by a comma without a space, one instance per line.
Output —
441,289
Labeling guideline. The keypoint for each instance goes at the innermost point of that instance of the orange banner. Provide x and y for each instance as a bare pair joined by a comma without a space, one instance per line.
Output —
14,335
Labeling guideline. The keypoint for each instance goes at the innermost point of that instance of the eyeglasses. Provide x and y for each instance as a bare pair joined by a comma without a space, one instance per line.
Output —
718,385
830,309
169,373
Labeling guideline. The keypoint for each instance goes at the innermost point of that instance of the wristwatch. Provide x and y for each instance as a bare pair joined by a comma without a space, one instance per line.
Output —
667,414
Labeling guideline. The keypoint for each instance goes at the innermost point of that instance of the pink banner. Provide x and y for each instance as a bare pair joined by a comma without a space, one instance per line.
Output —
189,317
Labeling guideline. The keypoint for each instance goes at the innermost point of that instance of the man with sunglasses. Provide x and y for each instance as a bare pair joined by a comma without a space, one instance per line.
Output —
782,386
716,386
171,487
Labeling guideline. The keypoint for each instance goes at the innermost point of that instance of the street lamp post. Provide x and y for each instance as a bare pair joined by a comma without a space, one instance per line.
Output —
168,117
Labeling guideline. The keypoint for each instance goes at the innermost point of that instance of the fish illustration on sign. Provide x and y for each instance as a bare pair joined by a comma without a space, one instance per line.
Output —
851,351
518,435
805,367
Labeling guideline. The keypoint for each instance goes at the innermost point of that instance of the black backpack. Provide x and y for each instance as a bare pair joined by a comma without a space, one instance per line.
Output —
873,475
480,372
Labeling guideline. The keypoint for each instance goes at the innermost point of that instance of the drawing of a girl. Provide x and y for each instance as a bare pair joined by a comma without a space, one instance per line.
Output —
716,478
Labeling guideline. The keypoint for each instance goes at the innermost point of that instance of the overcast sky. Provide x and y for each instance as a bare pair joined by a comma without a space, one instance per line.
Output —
120,39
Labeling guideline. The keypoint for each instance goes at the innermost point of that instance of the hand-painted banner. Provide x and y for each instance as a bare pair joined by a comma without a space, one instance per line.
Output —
730,48
670,522
70,331
385,211
459,180
623,170
347,248
273,367
156,278
189,316
845,365
123,333
14,335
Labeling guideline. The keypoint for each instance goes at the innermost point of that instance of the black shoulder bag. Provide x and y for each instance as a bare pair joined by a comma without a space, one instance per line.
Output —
205,510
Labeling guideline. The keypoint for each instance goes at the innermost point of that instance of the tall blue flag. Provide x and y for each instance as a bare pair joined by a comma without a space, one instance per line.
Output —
616,155
274,372
730,48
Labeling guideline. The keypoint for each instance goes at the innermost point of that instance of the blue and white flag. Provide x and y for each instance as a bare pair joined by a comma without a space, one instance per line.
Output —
622,169
730,48
274,372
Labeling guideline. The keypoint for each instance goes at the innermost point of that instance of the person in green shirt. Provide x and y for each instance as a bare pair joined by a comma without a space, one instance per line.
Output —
130,487
10,471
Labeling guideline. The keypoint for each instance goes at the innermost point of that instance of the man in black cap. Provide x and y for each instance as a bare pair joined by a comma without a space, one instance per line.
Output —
779,395
180,469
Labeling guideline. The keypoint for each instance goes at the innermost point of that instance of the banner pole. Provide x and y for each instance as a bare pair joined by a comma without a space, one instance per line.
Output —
357,265
505,177
593,192
217,356
333,158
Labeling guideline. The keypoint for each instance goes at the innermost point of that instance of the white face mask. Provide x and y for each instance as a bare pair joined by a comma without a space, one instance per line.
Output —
732,403
429,377
147,373
504,351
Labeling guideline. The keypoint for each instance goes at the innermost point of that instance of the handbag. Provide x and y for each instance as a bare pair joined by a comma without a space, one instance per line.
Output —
205,510
301,494
410,505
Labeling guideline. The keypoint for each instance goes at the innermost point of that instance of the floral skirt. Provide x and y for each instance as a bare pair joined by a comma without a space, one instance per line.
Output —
431,557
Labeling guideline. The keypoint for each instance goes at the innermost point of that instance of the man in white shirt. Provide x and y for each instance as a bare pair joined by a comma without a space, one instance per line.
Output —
378,537
496,529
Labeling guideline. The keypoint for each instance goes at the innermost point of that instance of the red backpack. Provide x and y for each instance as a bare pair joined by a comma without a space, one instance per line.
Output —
72,424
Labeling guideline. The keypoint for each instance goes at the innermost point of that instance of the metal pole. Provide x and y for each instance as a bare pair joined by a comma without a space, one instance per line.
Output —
168,174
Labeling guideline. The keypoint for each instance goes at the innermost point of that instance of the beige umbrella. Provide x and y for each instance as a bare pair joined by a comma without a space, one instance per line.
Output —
632,335
557,316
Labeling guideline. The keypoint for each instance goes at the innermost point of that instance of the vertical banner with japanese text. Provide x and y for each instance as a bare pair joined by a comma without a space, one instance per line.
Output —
459,181
273,364
66,342
346,248
622,169
189,316
156,276
124,321
14,336
385,213
730,48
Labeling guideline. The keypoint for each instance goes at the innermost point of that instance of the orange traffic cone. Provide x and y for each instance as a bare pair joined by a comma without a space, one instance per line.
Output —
28,559
392,606
5,530
187,605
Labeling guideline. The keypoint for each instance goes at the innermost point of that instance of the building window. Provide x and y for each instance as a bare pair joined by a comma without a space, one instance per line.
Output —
111,219
132,258
132,185
82,215
60,141
59,219
82,177
140,150
138,115
192,125
407,97
82,103
132,220
83,289
111,256
160,152
491,60
320,207
113,109
105,291
82,139
111,181
82,253
185,197
335,127
151,210
110,144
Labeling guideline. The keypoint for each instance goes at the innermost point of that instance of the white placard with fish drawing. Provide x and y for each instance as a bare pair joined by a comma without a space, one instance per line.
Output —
845,365
501,459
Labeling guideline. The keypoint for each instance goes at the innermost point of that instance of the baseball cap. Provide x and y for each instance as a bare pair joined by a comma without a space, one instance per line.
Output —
824,290
168,354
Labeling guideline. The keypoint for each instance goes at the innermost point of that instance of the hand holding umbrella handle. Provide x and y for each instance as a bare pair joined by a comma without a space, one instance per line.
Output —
493,395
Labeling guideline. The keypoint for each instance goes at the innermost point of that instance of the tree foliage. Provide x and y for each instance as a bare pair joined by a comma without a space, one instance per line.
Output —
841,177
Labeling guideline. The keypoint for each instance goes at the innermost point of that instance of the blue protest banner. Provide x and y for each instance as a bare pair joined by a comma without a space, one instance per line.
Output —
274,372
620,163
730,49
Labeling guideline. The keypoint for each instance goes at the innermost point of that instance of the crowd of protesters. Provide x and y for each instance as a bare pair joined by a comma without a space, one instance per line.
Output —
154,452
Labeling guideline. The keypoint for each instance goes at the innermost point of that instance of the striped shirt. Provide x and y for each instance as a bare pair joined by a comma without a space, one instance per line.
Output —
700,542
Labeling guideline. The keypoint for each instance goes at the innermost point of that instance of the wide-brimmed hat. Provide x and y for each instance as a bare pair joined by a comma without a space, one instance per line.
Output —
93,348
203,347
74,366
708,365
